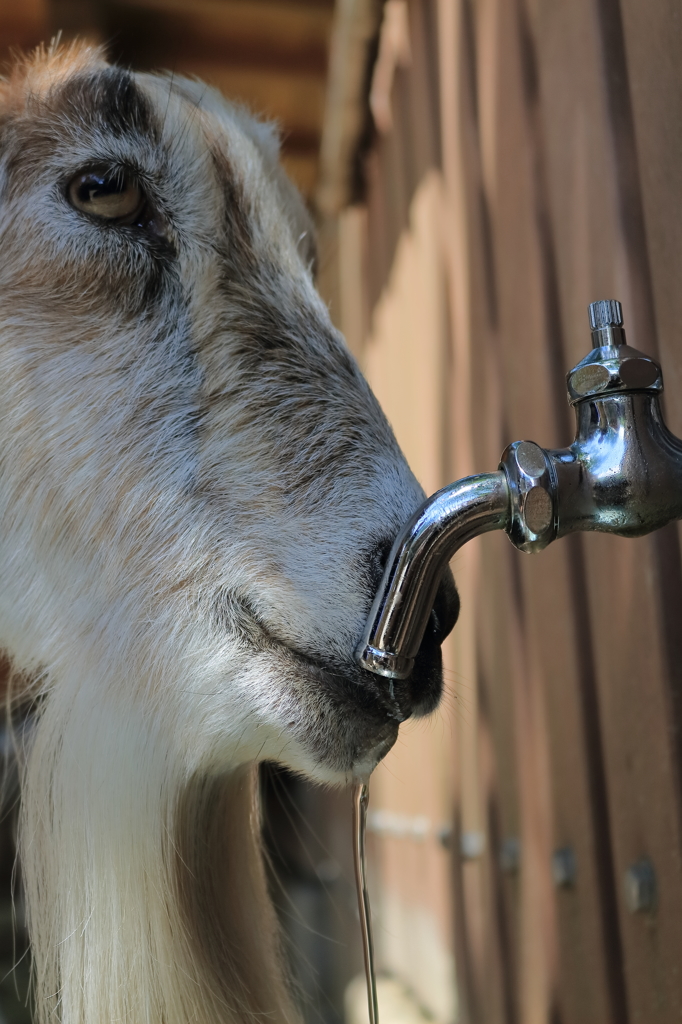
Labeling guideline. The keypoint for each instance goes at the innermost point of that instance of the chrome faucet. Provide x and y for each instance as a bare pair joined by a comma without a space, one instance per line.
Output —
622,474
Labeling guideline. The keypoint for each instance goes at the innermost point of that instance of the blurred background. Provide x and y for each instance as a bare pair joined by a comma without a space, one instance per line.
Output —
479,170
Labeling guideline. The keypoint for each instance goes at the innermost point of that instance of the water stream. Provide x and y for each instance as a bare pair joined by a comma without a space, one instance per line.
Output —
360,802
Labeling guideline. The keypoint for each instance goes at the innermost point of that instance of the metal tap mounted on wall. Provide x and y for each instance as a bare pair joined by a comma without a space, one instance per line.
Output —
622,474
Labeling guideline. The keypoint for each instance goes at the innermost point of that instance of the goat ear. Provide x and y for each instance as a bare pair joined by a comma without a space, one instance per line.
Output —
265,136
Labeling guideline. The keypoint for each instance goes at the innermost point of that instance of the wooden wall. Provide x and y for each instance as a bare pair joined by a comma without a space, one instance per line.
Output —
531,162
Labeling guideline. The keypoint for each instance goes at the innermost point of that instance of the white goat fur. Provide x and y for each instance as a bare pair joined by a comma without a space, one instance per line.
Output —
194,478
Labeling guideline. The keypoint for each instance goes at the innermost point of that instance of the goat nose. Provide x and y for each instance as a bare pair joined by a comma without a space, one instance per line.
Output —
425,684
445,609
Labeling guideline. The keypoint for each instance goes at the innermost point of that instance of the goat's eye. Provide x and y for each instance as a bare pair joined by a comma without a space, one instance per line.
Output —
110,195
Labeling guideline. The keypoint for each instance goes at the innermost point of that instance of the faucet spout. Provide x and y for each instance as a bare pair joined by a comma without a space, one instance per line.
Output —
401,609
622,474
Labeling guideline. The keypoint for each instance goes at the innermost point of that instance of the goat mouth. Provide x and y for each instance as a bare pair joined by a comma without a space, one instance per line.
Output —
351,722
347,718
357,715
342,680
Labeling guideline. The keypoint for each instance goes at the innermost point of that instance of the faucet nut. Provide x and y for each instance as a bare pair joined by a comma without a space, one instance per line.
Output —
530,459
531,486
628,370
639,373
612,367
538,510
589,379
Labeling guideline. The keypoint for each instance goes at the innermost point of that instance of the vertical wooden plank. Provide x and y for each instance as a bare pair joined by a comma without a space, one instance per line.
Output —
499,991
653,38
652,42
413,893
496,700
631,676
473,923
404,360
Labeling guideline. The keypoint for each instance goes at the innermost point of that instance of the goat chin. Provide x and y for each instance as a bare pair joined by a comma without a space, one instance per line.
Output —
144,878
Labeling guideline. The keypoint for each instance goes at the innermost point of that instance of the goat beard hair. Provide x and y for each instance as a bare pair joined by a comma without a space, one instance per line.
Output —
146,889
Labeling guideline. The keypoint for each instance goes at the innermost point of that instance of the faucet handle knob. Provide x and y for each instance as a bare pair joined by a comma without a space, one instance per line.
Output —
612,367
605,313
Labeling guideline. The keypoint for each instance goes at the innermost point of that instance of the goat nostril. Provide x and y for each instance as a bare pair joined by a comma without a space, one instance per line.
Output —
445,608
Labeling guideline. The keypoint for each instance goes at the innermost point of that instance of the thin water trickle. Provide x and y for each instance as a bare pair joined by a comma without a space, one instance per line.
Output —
360,802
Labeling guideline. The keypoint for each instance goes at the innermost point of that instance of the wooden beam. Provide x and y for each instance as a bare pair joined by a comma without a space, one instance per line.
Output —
251,33
356,26
22,25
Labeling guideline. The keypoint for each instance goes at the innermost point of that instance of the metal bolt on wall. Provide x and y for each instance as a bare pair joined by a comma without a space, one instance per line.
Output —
640,887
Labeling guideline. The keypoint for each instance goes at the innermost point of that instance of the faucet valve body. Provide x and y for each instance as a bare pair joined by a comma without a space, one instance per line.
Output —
622,474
